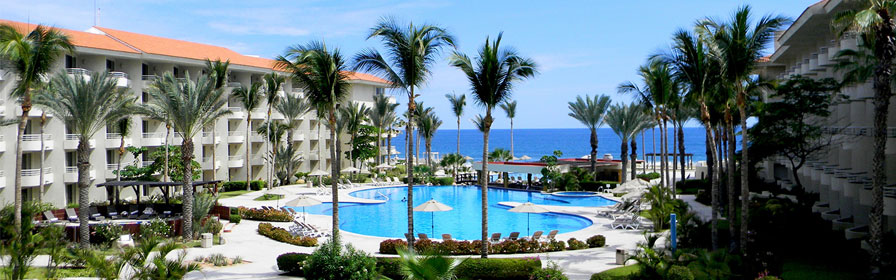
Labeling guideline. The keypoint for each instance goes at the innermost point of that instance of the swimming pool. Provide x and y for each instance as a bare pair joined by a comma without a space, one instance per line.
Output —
389,219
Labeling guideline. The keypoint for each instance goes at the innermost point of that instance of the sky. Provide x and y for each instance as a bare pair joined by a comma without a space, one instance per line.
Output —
581,47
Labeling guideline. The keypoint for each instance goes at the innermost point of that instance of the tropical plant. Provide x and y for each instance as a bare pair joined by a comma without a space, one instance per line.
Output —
85,107
218,72
428,266
321,72
293,107
21,246
273,93
379,116
330,261
32,56
251,98
421,111
354,115
501,155
454,161
457,107
627,121
412,49
590,111
874,20
509,108
190,106
738,44
661,206
492,77
123,126
429,124
287,161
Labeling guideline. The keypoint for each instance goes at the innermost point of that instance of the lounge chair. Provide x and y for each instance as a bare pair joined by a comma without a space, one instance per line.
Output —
622,221
447,237
125,240
496,237
605,212
513,236
397,182
422,236
71,215
388,181
148,213
551,235
535,236
95,215
49,217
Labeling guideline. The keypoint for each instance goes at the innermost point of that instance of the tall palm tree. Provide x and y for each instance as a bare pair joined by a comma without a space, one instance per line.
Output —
627,121
273,84
190,107
738,44
492,76
251,98
412,51
501,155
85,106
421,111
392,120
381,109
322,74
429,124
123,126
590,111
354,114
218,72
293,107
509,107
457,106
33,56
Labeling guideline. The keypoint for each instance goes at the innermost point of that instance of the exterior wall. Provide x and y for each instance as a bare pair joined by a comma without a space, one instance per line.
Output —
227,140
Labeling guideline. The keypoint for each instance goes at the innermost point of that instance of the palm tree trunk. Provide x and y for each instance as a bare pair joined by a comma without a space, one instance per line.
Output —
624,148
417,149
674,157
653,142
270,182
429,152
732,197
634,156
458,134
83,192
379,145
487,123
409,129
167,151
665,151
334,171
714,176
643,154
594,152
319,150
512,155
885,51
389,146
214,157
248,144
662,151
681,157
186,156
120,155
17,214
744,176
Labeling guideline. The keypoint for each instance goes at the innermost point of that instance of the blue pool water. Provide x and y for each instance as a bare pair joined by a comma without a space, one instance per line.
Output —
389,219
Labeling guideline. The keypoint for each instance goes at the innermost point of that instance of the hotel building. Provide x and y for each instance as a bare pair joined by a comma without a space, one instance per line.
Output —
135,61
841,176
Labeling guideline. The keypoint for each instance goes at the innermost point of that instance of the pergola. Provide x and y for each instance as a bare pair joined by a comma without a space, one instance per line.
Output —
517,167
165,186
689,158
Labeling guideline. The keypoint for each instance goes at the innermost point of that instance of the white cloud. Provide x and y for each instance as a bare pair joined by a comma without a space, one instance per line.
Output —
258,29
549,62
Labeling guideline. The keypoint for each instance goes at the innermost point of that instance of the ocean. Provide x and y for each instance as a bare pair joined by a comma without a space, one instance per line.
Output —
535,143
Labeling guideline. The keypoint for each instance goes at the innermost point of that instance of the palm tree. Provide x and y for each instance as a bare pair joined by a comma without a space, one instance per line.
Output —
510,108
457,106
412,50
429,124
354,114
85,106
124,129
392,120
190,107
421,111
427,267
32,56
501,155
293,107
218,72
492,77
590,111
273,84
322,74
738,44
251,98
627,121
381,109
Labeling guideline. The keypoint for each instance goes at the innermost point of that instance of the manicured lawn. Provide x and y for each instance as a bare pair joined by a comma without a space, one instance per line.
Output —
232,194
267,197
41,273
621,272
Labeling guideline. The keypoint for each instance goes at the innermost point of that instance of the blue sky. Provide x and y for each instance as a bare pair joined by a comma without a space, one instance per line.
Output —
583,47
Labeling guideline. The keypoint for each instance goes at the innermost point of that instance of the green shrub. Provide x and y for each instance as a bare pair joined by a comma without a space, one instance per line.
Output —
649,176
487,269
555,246
105,233
575,244
279,234
596,241
598,276
255,185
330,261
292,263
677,272
266,215
472,247
212,226
389,267
552,272
157,228
443,181
235,218
691,186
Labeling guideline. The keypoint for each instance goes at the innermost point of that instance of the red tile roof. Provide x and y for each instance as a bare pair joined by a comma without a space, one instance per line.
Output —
79,38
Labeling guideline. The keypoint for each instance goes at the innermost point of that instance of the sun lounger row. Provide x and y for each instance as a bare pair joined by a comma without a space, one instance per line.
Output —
496,237
132,212
305,229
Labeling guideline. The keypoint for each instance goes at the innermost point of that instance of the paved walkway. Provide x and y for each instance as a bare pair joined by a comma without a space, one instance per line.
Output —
704,212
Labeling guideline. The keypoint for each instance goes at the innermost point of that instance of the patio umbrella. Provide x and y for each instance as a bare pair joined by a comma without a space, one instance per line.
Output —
528,208
468,158
302,202
525,157
350,170
279,192
432,206
319,173
384,165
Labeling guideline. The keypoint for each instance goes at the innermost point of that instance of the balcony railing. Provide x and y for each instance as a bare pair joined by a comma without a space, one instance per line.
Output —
234,158
71,169
234,84
146,163
72,137
77,71
235,133
149,77
153,135
118,75
36,137
36,172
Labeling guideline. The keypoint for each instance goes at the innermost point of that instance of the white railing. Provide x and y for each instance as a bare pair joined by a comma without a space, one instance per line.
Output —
207,134
234,84
113,135
111,166
235,109
71,169
149,77
234,133
77,71
2,174
234,158
118,75
153,135
72,137
36,172
36,137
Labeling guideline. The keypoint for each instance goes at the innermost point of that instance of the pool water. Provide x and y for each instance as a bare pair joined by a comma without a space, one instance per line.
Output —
389,219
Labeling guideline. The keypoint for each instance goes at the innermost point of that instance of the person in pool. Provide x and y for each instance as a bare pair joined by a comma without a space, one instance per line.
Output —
404,199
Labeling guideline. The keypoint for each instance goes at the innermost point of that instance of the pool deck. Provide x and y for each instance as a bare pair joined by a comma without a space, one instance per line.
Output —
262,252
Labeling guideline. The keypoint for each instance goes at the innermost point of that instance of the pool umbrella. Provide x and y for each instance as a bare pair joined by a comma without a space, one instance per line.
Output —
525,157
302,202
278,191
319,173
528,208
350,170
384,165
432,206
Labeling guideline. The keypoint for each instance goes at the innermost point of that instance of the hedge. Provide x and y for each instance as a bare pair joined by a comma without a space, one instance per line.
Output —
282,235
474,268
265,215
596,241
255,185
291,263
691,186
443,181
464,247
649,176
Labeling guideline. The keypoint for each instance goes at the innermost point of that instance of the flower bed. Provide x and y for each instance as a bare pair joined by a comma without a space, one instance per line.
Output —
265,215
283,235
452,247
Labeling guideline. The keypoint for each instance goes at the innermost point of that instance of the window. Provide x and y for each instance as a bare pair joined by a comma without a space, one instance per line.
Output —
145,69
110,65
70,61
110,156
176,72
380,91
71,193
144,126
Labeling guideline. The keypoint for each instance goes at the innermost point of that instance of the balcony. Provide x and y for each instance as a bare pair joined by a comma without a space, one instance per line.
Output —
236,137
237,113
209,139
256,137
71,174
314,155
146,163
153,139
72,141
121,79
2,180
259,114
35,112
31,177
235,161
296,137
207,164
31,142
75,73
234,84
256,161
114,140
312,135
110,170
